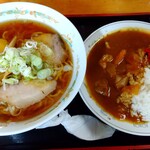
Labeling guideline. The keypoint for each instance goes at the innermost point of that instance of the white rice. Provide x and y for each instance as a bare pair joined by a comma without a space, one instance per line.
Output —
141,102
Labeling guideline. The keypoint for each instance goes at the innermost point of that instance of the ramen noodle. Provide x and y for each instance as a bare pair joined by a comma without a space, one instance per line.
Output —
35,69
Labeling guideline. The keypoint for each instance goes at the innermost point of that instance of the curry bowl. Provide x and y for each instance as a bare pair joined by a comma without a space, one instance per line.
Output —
42,65
116,83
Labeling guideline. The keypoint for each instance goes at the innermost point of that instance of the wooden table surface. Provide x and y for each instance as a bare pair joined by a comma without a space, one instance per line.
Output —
79,8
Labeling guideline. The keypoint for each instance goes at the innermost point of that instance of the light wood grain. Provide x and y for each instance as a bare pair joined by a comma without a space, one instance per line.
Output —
95,7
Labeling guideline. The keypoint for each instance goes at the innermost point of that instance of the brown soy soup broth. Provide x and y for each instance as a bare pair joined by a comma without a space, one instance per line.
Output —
35,69
117,74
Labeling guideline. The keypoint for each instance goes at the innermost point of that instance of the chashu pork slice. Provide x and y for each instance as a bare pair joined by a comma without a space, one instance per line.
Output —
24,95
56,44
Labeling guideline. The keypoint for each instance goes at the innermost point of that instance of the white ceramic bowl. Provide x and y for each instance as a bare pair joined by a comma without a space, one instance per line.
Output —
52,18
143,129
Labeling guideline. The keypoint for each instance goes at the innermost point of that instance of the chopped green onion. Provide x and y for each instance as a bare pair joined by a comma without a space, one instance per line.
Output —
44,73
36,61
25,62
10,81
45,50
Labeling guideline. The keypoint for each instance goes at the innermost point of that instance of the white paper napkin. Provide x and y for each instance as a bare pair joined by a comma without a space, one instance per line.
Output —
82,126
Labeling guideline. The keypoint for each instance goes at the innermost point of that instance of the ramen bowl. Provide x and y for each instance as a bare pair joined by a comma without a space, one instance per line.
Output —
48,17
88,89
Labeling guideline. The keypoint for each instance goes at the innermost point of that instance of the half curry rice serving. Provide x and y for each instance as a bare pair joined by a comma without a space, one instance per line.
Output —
118,74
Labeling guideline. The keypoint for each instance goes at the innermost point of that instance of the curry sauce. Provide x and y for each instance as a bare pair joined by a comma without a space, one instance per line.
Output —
119,56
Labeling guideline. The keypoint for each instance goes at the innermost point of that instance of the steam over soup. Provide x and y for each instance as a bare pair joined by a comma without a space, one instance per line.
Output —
35,69
118,72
